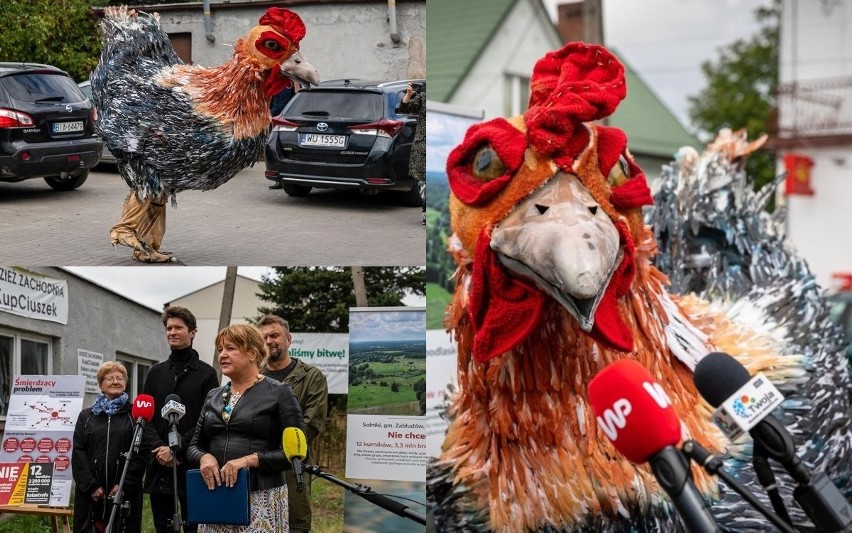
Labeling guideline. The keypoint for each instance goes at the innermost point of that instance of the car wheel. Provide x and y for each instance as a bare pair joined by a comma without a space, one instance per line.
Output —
415,197
69,183
296,190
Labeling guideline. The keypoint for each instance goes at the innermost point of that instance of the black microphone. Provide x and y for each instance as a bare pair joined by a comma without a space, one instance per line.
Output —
173,411
719,377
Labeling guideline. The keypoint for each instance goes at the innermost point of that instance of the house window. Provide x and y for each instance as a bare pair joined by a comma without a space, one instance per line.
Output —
21,355
137,371
517,94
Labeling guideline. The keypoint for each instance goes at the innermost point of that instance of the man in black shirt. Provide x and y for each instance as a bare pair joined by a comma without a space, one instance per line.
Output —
191,379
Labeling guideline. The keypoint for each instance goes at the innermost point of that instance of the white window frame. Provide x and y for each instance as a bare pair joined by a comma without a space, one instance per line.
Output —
17,337
132,364
516,94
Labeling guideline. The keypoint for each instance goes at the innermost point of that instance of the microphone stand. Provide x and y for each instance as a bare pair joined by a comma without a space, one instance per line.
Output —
174,445
367,493
766,478
713,465
119,494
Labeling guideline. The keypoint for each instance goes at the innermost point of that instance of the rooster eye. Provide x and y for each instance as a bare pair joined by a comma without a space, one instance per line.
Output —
487,165
272,45
620,172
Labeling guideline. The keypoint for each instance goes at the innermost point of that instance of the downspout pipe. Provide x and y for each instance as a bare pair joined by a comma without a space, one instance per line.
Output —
394,34
208,23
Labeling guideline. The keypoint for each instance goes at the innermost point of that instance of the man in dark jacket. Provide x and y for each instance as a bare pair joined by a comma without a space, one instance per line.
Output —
185,375
311,390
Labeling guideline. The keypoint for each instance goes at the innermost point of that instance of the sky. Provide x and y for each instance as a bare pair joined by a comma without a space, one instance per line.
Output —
379,326
665,41
153,286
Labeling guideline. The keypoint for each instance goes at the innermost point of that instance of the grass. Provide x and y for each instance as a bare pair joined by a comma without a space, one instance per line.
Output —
437,300
370,393
326,507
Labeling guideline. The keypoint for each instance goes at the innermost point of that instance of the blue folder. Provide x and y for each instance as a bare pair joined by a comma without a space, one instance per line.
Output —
222,505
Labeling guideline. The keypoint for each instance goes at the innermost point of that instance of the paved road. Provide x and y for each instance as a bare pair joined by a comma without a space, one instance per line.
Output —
240,223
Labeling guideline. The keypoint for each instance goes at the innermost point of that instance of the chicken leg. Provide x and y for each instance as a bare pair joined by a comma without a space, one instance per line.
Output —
141,227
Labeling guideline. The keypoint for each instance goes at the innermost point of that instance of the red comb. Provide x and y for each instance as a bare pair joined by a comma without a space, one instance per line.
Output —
285,22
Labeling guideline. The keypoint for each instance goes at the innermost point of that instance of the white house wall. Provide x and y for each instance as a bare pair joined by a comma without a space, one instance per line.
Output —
816,44
819,225
524,37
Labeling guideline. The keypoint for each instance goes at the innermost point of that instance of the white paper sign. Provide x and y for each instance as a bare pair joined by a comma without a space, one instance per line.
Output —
88,364
385,447
32,295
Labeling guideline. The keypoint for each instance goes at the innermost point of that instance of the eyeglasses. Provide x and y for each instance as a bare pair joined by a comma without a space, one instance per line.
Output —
115,379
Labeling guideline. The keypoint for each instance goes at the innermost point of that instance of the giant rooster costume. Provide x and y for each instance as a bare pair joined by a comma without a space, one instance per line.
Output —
554,282
173,126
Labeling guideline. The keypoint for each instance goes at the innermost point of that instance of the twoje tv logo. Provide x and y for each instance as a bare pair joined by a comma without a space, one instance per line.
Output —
741,403
755,398
615,419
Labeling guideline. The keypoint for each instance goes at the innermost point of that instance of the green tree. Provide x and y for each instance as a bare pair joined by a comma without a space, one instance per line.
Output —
317,299
740,90
62,33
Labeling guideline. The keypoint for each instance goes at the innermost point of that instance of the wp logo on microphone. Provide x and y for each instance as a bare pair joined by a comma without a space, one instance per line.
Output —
615,418
142,403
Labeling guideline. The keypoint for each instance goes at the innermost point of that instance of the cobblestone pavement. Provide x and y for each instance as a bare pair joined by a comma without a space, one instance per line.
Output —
241,223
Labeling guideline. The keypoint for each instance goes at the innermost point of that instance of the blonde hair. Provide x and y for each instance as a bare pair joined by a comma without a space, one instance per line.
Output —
108,368
248,339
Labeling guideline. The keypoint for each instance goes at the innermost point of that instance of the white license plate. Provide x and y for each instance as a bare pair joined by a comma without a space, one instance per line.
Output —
67,127
318,139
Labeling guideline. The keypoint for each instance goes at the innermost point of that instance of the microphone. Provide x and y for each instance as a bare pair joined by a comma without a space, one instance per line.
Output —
296,449
173,411
637,416
142,411
723,381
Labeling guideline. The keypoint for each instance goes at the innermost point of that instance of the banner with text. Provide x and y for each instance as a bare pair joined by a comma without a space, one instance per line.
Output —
43,411
385,432
441,374
327,351
32,295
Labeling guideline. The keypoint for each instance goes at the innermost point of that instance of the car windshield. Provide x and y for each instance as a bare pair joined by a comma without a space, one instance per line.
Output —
335,105
42,88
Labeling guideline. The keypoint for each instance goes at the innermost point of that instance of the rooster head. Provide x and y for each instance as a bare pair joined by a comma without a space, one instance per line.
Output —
273,46
548,205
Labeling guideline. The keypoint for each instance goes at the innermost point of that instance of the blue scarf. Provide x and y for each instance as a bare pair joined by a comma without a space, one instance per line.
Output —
110,407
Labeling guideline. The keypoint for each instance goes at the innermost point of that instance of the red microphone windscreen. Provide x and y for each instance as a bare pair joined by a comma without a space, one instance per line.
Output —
143,407
633,410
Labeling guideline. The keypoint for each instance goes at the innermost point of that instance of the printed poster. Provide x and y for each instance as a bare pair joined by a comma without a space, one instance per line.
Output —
33,295
386,435
28,483
441,372
43,411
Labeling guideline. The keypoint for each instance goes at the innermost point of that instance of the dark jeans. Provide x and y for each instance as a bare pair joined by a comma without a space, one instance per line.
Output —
163,509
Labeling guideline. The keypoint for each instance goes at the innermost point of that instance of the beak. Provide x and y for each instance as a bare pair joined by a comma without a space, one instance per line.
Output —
561,239
297,68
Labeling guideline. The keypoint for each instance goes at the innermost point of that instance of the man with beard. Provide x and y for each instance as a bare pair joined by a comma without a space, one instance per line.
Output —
191,379
311,389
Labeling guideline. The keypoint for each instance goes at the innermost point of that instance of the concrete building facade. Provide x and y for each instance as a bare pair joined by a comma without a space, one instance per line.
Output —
99,321
345,39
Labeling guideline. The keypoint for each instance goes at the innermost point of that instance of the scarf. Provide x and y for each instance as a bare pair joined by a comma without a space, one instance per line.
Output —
105,405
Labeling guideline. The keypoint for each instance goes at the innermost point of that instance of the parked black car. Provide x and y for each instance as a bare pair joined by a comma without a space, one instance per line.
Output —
344,134
106,155
46,127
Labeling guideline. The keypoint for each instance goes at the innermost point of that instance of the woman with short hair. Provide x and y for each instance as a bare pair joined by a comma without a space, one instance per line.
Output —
103,433
241,425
